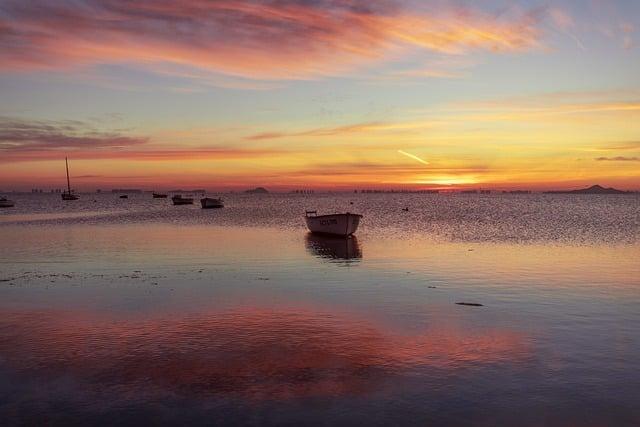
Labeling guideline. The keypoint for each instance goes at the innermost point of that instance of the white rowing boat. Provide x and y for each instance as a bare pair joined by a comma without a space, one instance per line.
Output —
337,224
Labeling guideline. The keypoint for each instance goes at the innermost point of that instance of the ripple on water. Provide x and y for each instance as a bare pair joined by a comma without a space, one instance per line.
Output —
574,219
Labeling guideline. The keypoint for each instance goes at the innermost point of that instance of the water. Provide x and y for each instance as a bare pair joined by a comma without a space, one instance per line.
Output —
123,311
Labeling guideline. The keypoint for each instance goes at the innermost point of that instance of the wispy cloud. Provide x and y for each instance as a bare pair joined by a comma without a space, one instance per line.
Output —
40,135
340,130
549,105
38,140
565,23
618,159
620,146
287,39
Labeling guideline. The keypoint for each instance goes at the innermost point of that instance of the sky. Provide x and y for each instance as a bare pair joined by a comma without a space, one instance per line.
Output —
326,94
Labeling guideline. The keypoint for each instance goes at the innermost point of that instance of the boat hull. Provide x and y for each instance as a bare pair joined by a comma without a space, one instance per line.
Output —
6,203
159,196
67,196
336,224
209,203
178,200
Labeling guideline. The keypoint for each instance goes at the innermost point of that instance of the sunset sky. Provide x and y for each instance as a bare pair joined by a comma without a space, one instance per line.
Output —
327,94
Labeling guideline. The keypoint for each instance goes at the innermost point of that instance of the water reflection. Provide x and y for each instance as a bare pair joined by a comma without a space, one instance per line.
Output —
334,247
249,353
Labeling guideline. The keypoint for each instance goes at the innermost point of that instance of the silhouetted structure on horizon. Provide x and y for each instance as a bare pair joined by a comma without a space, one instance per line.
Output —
257,190
594,189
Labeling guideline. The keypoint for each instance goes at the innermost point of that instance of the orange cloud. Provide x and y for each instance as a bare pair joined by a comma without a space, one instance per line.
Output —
292,39
343,130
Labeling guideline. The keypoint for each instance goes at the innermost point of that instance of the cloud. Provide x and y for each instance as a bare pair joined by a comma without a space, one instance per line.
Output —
549,105
286,39
618,159
328,131
564,22
630,145
149,154
341,130
377,172
627,30
18,135
38,140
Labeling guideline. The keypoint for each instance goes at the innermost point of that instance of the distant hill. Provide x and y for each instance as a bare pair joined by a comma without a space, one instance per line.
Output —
258,190
594,189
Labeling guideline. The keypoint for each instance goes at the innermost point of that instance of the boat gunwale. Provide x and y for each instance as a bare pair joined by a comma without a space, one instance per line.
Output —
336,214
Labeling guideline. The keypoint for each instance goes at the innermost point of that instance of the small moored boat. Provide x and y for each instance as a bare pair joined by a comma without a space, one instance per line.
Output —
124,196
211,203
159,196
68,195
6,203
179,200
337,224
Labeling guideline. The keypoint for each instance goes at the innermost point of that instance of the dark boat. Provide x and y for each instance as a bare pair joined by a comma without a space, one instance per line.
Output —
211,203
68,195
179,200
159,196
6,203
124,196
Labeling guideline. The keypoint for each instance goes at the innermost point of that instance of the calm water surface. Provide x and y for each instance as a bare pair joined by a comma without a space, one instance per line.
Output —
135,311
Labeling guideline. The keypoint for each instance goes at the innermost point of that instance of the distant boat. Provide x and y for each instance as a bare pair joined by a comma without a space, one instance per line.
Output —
68,195
211,203
179,200
124,196
337,224
6,203
159,196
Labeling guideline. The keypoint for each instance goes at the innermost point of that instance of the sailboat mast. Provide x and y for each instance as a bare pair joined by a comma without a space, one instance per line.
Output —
66,162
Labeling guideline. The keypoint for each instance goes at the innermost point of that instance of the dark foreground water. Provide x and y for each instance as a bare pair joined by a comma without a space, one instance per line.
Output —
134,311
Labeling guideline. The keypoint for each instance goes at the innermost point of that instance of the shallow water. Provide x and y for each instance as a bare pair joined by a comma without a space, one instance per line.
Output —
133,310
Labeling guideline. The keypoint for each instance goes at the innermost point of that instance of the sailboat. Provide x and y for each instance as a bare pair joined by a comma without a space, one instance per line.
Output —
68,195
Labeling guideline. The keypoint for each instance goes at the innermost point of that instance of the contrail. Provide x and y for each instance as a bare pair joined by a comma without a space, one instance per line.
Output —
414,157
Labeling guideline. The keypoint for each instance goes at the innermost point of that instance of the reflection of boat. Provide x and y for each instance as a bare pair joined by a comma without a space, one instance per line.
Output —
211,203
6,203
333,247
338,224
179,200
68,195
159,196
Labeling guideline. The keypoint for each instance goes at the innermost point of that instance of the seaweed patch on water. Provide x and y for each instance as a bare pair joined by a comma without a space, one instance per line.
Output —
470,304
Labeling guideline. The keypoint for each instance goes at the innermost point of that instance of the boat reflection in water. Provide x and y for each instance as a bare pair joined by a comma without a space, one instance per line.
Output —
334,247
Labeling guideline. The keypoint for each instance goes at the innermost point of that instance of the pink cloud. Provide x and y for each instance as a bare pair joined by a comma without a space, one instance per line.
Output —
291,39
